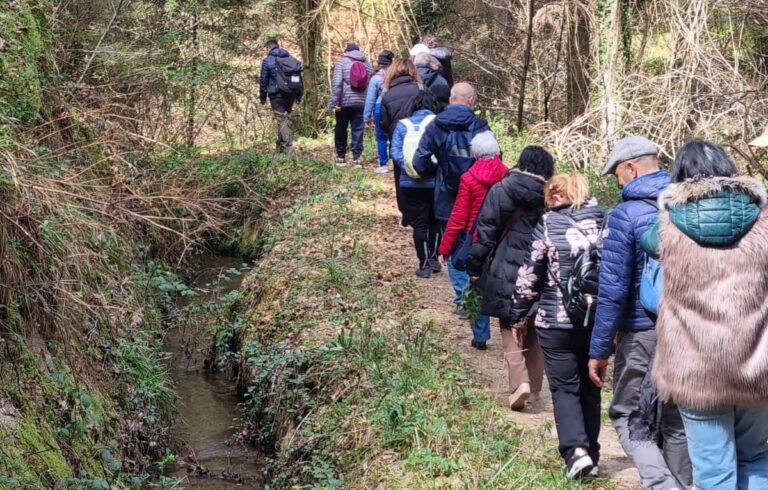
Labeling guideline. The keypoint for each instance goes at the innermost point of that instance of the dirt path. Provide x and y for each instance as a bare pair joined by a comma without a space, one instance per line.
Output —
487,366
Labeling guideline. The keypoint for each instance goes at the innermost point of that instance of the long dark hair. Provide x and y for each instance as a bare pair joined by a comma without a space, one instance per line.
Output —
701,158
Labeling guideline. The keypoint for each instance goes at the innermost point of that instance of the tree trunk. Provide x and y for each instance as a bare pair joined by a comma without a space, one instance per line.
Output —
526,65
577,82
192,97
311,27
613,35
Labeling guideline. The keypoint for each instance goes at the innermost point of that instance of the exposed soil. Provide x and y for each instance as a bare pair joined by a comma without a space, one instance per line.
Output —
487,366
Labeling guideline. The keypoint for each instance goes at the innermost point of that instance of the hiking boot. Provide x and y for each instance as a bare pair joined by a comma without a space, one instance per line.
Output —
382,169
424,272
403,223
341,162
458,312
435,265
358,164
479,345
519,398
579,464
595,472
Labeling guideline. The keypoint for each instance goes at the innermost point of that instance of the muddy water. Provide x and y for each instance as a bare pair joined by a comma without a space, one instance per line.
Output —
208,409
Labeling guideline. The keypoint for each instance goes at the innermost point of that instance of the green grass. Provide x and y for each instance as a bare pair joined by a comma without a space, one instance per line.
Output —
347,383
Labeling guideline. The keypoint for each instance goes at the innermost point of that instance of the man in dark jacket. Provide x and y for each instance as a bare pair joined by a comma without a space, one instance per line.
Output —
442,54
620,315
348,103
281,102
448,141
433,81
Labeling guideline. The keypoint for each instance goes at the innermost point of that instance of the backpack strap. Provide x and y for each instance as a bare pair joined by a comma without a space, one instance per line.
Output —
409,126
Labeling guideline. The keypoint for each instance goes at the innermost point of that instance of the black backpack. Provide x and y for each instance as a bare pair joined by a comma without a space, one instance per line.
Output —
288,75
580,292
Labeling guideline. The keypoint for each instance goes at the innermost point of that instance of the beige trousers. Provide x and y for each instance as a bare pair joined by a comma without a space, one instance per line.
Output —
524,362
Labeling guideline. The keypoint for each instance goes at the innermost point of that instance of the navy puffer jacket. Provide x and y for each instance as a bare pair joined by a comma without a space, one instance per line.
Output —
618,304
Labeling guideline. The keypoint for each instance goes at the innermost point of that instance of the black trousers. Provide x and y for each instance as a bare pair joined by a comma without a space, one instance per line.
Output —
575,398
419,208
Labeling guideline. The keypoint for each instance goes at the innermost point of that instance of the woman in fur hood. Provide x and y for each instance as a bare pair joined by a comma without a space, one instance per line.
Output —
712,354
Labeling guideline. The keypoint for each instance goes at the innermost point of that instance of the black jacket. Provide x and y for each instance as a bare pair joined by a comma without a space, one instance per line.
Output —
515,204
397,103
557,244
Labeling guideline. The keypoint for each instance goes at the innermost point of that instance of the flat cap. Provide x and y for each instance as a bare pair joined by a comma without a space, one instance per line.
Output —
627,149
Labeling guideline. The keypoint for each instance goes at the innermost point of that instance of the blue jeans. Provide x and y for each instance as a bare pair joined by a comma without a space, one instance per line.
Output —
382,142
481,328
728,447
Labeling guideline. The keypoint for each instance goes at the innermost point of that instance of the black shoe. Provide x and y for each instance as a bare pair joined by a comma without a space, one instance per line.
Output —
579,464
424,272
460,313
479,345
435,265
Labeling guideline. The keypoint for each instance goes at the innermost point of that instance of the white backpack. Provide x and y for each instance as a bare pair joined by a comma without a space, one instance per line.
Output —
413,135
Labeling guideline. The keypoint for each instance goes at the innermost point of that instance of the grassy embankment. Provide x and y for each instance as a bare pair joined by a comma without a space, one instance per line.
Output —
348,379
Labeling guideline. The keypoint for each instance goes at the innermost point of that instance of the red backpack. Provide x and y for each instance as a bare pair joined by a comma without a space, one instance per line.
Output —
358,76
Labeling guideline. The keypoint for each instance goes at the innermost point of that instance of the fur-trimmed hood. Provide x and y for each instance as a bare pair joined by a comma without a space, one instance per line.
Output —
714,211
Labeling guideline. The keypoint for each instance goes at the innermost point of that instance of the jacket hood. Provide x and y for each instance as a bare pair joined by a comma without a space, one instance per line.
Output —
488,171
356,55
455,117
648,186
525,189
401,80
441,53
715,211
279,52
427,74
419,115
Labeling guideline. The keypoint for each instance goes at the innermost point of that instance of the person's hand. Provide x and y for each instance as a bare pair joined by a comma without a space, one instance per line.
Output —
368,125
520,329
598,368
473,279
443,259
337,109
263,101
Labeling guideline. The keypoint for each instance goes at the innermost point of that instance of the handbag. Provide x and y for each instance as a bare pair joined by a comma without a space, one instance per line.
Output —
461,249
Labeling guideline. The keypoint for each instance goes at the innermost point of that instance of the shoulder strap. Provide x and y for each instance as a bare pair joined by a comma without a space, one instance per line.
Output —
409,126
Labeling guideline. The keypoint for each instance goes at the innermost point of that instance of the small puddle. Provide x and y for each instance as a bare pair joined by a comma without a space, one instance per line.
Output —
208,405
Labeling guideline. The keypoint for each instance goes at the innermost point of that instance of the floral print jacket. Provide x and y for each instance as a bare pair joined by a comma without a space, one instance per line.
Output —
556,246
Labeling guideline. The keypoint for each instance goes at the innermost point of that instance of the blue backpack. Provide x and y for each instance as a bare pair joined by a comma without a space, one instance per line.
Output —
651,280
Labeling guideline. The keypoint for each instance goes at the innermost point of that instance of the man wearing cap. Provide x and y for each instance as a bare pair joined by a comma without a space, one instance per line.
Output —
621,316
372,112
348,103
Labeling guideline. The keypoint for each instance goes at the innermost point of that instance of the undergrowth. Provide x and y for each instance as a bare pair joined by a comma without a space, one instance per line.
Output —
347,381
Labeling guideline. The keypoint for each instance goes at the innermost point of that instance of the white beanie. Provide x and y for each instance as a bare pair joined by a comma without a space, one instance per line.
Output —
418,49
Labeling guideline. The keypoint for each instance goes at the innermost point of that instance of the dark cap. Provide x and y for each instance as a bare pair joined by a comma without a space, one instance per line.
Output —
385,58
627,149
352,47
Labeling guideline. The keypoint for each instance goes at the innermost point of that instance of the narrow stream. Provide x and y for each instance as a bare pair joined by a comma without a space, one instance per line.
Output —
208,409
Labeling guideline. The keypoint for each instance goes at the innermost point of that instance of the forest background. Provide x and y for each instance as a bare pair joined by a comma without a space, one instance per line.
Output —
104,102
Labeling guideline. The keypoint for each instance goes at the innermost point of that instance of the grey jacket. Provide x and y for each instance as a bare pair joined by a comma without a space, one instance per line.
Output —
342,94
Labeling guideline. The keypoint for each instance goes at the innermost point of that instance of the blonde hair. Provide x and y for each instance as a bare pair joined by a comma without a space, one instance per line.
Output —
573,187
400,68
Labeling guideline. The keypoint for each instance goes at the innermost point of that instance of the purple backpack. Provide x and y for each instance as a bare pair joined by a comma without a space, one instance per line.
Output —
358,76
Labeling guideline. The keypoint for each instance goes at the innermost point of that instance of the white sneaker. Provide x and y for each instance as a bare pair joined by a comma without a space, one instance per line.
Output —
518,399
579,464
595,472
381,169
341,163
358,164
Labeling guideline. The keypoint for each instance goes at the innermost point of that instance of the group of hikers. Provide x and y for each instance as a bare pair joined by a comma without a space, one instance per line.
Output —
673,281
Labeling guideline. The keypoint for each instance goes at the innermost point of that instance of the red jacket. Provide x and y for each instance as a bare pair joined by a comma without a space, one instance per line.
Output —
473,186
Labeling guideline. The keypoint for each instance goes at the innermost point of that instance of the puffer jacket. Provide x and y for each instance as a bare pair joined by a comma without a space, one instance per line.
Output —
436,84
557,244
712,347
618,303
373,95
511,210
473,187
444,56
268,78
448,140
396,152
397,103
342,94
